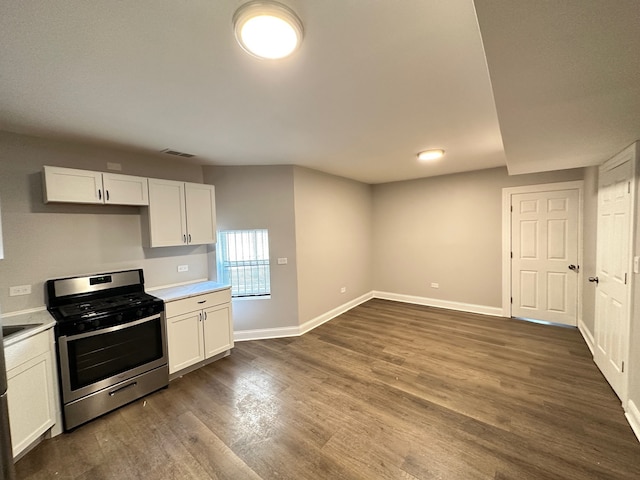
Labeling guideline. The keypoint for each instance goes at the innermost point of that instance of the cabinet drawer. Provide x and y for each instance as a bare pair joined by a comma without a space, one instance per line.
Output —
23,351
199,302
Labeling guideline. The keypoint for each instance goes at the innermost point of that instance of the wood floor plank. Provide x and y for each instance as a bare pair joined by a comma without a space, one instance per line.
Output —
384,391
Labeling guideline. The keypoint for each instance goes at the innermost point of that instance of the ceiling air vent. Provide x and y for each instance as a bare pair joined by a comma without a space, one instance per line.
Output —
175,153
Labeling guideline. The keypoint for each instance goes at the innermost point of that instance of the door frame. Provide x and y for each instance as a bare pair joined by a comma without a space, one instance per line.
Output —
507,193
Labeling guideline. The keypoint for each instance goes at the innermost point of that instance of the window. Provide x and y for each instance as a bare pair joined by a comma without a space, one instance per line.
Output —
243,262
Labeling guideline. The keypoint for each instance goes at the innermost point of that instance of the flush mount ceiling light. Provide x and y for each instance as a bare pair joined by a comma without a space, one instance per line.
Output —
267,29
430,155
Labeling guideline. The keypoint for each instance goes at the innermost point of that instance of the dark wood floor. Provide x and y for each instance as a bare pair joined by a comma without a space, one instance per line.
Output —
385,391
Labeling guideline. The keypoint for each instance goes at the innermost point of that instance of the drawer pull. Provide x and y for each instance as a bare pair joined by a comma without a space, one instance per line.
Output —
202,301
113,392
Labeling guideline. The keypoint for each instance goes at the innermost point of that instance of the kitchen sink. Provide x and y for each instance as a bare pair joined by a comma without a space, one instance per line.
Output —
8,330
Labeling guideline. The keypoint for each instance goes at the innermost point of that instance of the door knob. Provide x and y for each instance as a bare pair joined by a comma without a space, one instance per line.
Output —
575,268
593,279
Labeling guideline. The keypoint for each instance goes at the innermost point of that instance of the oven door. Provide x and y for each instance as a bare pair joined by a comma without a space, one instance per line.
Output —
95,360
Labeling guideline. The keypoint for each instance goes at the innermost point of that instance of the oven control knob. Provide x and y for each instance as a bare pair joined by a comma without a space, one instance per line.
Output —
150,310
96,323
139,313
80,327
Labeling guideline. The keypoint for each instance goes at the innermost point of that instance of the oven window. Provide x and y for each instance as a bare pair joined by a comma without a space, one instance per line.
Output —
95,358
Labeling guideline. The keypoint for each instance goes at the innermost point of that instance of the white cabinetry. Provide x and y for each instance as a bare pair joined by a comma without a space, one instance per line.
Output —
125,189
84,186
198,328
31,393
181,213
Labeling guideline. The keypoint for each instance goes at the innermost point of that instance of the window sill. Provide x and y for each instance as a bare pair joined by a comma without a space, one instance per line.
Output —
253,298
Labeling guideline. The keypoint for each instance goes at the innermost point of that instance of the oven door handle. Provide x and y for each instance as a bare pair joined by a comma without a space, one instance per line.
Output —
115,328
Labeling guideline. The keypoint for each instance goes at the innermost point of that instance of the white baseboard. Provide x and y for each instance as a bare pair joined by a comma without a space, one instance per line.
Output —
266,333
587,335
633,417
434,302
325,317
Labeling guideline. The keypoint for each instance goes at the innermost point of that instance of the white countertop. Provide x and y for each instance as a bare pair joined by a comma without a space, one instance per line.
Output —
186,291
40,319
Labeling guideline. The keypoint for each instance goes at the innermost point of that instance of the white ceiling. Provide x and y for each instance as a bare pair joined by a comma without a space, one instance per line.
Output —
566,79
374,83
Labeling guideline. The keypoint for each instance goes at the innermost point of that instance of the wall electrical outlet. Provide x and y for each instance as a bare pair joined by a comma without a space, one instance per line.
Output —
183,268
19,290
435,285
282,261
343,290
114,166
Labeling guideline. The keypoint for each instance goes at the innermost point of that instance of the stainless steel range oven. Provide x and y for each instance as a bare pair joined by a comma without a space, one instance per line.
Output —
111,342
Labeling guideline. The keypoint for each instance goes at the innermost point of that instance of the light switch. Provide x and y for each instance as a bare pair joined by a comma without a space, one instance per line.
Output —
282,261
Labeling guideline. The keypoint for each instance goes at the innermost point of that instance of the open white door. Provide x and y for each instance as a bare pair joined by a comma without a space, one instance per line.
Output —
544,250
613,265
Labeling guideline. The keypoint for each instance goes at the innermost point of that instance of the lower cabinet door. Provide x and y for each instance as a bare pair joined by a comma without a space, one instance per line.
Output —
217,330
30,397
184,340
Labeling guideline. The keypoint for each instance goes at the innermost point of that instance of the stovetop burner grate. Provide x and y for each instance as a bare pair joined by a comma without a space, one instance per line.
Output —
104,305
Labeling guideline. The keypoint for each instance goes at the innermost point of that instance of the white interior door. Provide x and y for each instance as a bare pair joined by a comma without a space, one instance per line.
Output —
544,251
613,294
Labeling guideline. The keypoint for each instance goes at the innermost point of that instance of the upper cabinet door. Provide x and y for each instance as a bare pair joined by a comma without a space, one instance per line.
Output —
71,185
201,213
167,218
125,189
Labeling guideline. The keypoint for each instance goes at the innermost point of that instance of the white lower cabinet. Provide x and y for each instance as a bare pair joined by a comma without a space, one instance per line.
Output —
198,328
30,391
185,340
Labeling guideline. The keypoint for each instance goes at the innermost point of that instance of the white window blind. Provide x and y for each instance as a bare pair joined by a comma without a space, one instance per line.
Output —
243,262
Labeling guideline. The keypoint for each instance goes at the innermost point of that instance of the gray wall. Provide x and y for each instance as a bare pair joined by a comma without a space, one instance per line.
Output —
43,241
446,230
333,241
261,197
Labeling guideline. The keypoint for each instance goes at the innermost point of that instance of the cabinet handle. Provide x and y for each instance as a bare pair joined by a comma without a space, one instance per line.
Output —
184,239
189,238
202,301
107,192
205,315
200,316
99,194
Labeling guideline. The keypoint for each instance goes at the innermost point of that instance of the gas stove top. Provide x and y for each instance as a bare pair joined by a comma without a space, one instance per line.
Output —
87,303
105,306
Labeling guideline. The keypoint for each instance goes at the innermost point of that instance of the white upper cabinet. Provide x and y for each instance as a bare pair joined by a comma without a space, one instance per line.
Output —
201,213
71,185
85,186
125,189
167,214
181,213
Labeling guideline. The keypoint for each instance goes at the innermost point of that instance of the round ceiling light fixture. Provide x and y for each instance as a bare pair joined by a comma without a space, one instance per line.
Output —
430,155
267,29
